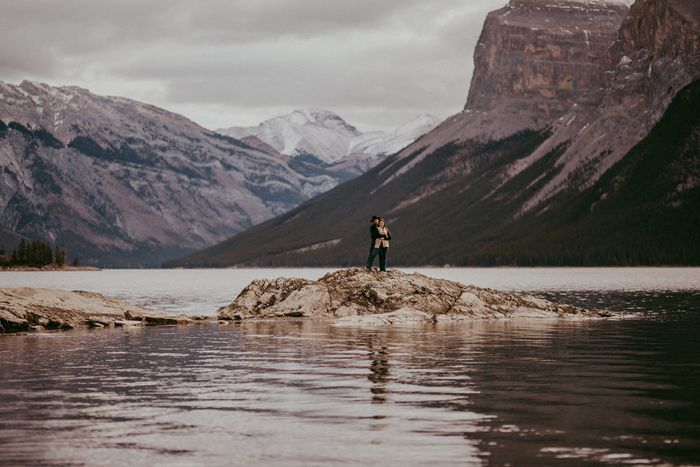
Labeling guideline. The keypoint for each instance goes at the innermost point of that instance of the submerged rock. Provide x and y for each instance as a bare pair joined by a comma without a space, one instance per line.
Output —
155,317
125,323
356,296
24,309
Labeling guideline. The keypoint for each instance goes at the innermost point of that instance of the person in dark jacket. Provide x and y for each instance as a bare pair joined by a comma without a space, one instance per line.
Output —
374,233
382,243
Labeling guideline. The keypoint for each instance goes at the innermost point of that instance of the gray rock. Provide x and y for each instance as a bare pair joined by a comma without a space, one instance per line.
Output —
10,322
155,317
402,316
99,321
202,318
125,323
170,320
357,297
21,308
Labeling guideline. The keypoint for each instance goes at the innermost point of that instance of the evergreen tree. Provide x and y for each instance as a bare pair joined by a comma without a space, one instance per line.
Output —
33,253
38,254
60,256
47,254
22,252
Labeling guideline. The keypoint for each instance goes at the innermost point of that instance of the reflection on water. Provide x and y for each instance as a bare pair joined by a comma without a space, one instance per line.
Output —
378,369
302,393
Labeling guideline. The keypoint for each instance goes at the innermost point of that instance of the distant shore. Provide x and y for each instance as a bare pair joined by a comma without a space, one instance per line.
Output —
52,268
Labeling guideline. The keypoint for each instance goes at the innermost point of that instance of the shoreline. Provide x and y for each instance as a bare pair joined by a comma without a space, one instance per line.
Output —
50,269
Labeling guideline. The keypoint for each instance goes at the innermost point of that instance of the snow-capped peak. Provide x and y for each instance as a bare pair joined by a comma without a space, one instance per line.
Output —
306,131
313,115
326,136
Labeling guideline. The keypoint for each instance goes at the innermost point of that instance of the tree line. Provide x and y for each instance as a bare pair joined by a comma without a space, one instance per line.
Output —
35,254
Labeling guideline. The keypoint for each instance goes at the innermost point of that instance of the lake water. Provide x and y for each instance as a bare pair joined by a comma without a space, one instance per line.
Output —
301,393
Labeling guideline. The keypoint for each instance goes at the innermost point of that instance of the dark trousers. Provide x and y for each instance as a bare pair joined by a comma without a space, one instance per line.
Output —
372,254
382,257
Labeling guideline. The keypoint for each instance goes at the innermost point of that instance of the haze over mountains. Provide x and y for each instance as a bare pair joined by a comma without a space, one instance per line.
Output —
579,144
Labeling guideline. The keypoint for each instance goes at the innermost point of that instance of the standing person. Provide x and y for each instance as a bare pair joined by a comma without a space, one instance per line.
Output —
374,233
382,243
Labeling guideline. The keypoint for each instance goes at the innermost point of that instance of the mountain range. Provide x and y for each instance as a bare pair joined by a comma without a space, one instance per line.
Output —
579,144
121,183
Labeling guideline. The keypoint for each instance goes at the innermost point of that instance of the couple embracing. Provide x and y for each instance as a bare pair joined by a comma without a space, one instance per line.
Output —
380,243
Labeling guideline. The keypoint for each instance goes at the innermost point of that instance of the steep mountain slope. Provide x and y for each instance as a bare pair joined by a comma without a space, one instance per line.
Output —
579,144
123,183
324,138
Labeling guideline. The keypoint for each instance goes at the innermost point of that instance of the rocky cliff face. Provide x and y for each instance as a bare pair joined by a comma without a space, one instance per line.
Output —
121,182
535,61
544,57
596,76
654,56
569,151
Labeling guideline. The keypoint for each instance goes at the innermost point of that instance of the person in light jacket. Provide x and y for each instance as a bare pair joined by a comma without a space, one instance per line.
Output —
382,243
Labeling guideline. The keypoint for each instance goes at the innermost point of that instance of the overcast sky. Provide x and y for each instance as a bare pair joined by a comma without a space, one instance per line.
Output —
222,63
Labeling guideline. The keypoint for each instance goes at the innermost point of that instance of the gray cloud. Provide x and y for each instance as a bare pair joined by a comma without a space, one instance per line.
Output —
235,62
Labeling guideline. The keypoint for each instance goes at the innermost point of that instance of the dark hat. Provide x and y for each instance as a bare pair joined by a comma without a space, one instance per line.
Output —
374,218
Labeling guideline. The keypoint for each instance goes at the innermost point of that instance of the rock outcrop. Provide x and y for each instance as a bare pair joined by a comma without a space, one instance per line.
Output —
655,55
544,57
356,296
26,309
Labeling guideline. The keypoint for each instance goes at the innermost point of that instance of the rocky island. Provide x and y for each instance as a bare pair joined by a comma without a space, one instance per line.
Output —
356,296
346,297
